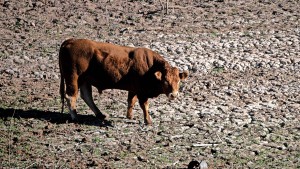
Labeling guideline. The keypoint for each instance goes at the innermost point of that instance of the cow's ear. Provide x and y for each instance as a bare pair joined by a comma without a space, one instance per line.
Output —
183,75
158,75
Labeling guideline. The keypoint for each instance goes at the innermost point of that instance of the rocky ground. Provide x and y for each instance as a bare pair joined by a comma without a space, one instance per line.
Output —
240,107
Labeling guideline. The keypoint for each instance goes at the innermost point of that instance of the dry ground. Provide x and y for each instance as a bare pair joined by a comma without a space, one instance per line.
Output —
240,116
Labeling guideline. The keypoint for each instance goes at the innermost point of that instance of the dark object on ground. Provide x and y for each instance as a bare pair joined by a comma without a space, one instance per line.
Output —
194,165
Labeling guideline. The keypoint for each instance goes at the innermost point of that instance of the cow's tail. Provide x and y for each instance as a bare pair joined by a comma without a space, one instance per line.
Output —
62,52
62,91
62,80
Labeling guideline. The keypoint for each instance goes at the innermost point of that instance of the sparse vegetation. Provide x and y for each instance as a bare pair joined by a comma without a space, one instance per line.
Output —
230,113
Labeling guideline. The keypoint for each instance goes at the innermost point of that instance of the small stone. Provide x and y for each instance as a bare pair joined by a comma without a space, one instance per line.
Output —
43,67
26,58
19,61
185,67
203,165
131,45
9,71
141,158
218,63
55,76
179,50
37,74
32,23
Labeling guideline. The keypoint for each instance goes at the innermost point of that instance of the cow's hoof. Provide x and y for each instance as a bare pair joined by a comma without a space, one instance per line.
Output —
74,119
148,122
74,116
129,116
102,116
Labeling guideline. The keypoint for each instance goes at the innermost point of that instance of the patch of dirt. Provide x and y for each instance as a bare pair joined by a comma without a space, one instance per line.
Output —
226,116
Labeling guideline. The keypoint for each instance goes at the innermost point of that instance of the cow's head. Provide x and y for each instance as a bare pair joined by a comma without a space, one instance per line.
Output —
170,80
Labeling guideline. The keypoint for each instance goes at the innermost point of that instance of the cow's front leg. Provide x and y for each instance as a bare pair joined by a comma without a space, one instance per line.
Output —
145,107
132,98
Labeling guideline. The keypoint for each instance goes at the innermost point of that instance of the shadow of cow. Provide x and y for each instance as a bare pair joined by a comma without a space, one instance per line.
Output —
53,117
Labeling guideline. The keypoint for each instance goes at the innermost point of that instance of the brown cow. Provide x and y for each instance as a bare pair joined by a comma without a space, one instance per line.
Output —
140,71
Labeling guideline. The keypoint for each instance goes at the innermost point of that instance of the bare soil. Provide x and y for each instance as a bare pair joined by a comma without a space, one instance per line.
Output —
228,117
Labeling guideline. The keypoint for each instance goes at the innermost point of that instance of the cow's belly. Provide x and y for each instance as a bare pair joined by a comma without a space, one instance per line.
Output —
105,82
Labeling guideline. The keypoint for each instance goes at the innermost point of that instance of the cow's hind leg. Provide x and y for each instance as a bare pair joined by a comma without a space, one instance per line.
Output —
71,96
132,98
71,102
86,95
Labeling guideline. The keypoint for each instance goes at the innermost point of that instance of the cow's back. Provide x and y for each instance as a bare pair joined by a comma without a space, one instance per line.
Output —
79,53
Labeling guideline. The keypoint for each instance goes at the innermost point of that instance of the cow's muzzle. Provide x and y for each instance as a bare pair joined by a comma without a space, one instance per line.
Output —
173,95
